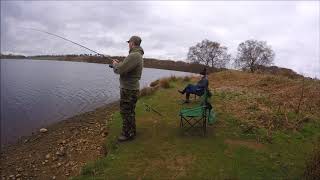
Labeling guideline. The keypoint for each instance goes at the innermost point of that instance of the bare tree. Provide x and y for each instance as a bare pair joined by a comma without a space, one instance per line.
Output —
209,53
253,53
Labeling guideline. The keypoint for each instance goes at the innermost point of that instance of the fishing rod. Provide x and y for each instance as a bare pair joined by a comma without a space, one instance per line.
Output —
148,108
46,32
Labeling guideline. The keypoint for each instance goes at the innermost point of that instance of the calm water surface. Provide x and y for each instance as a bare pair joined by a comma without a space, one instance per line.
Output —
37,93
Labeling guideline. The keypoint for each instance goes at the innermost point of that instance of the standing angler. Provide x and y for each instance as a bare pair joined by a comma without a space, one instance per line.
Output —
130,71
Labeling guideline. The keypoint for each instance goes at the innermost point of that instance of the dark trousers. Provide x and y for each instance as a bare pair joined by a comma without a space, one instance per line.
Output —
189,89
128,100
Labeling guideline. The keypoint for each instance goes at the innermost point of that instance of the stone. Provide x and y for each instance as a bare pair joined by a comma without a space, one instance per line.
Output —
59,164
19,169
60,153
54,158
43,130
53,177
48,156
18,175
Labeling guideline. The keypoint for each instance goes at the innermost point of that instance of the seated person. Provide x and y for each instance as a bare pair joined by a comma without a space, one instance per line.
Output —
197,89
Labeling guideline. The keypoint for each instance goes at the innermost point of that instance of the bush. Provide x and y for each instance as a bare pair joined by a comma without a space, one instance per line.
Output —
164,83
173,78
147,91
186,78
154,83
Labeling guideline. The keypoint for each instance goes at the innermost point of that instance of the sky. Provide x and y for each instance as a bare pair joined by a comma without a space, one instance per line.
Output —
167,28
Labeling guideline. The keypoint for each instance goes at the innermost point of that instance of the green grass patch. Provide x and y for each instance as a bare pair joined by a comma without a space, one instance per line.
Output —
162,150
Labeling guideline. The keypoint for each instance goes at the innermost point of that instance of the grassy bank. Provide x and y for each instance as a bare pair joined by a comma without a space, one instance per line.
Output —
266,127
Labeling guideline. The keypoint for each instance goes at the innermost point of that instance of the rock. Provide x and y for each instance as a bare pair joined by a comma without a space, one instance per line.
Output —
11,176
26,140
61,152
46,160
53,177
67,174
18,175
20,169
104,134
54,158
59,164
48,156
43,130
43,163
64,142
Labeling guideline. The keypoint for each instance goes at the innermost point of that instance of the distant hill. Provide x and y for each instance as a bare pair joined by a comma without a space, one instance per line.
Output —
148,62
12,56
155,63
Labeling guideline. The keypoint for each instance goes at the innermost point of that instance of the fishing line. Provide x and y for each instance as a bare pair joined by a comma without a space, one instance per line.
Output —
52,34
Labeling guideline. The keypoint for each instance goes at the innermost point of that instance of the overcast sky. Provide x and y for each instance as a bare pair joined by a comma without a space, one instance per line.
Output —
167,29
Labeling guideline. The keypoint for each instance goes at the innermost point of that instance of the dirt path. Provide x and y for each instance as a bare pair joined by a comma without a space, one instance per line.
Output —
60,152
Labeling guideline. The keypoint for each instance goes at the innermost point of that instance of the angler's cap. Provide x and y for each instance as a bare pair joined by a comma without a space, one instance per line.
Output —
136,39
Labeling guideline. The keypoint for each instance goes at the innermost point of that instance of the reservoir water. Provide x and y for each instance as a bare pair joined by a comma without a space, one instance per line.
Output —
37,93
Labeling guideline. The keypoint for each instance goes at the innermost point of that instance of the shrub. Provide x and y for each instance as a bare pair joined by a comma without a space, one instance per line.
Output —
186,78
173,78
154,83
164,83
147,91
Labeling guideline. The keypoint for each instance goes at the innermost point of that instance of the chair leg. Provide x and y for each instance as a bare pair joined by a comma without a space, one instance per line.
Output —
204,126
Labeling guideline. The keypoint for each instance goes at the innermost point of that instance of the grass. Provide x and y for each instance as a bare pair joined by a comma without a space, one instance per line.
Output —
312,170
163,151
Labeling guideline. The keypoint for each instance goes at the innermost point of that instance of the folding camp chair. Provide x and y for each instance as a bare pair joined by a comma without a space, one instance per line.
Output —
199,115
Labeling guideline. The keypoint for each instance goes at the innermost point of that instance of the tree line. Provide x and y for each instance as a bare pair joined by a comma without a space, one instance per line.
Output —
251,54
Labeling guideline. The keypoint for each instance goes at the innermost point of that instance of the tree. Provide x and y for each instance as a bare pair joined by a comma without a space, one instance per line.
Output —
252,54
209,53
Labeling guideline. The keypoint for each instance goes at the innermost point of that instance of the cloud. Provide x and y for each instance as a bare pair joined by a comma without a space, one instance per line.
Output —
168,28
